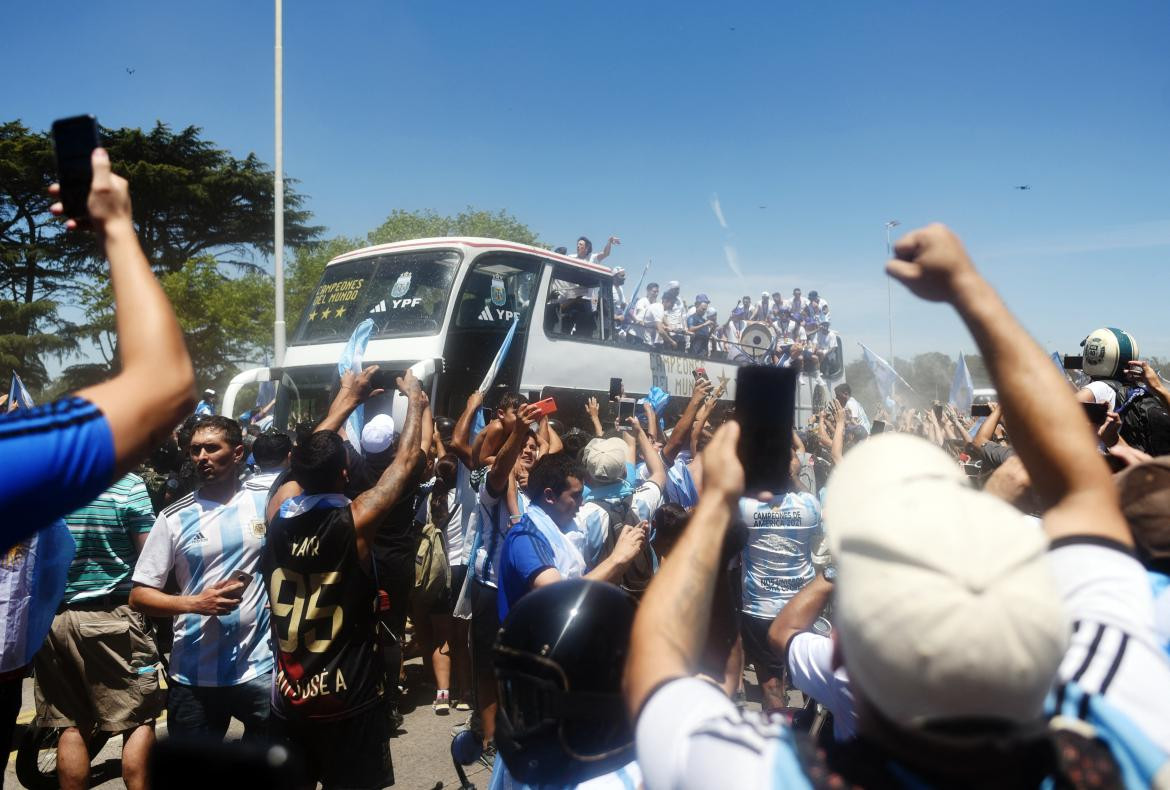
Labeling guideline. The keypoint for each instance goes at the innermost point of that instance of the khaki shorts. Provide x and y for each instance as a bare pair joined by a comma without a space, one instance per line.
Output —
98,670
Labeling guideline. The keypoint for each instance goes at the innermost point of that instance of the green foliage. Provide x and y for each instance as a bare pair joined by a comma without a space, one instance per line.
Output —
402,225
21,350
304,272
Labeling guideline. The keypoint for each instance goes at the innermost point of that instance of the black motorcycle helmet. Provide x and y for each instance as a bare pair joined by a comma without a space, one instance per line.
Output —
558,663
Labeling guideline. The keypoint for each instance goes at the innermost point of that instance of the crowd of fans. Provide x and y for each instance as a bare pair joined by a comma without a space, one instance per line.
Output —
796,331
929,600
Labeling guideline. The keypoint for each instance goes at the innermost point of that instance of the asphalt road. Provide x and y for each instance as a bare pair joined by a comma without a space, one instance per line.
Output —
421,750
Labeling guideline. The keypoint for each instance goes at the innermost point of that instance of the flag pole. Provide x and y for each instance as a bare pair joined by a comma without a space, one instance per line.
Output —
278,328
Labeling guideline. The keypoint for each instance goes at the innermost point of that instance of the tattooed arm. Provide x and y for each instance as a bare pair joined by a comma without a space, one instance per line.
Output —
670,629
372,506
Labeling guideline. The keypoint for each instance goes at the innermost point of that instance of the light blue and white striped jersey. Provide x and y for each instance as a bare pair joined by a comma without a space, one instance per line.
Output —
777,561
485,534
593,527
204,541
628,777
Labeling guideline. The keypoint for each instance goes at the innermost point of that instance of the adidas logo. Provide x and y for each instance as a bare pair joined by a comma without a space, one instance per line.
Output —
199,537
380,307
486,315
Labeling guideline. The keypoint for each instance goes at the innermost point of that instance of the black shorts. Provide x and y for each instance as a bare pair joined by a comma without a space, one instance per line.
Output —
350,753
485,625
754,631
458,575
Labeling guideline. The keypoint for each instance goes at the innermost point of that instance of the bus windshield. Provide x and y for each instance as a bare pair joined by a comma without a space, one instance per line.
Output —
404,293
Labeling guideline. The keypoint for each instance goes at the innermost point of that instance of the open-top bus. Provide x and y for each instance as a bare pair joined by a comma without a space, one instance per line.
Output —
449,303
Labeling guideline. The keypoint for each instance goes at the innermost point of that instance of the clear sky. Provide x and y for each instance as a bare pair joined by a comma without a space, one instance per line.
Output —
809,123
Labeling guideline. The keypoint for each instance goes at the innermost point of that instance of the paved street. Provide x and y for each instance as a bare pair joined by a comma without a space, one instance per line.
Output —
422,760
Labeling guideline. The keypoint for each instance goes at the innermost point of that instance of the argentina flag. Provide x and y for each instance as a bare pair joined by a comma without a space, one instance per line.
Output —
32,578
502,354
351,360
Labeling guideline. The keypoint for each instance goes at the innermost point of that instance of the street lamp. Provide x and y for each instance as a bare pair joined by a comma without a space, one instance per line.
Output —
889,286
278,329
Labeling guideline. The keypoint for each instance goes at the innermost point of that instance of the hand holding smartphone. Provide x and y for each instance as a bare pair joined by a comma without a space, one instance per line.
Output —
74,140
765,400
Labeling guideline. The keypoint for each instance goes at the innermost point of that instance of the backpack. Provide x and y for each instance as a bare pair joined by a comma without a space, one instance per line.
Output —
1146,423
430,568
639,572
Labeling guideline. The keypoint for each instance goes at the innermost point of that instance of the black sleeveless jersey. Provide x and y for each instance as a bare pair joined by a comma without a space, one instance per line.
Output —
322,599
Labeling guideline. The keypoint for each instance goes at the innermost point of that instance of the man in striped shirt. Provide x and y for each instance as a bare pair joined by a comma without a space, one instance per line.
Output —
98,668
221,663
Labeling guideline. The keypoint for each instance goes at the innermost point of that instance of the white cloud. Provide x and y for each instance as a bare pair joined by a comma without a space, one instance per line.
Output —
718,209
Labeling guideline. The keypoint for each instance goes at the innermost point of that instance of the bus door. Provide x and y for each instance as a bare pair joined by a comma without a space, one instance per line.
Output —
498,288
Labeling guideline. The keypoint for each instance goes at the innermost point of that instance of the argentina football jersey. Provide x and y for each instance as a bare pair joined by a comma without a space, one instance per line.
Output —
777,559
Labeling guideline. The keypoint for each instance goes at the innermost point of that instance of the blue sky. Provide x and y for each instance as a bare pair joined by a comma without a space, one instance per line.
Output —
810,123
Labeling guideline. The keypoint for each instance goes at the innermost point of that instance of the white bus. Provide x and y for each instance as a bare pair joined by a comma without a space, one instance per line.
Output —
448,303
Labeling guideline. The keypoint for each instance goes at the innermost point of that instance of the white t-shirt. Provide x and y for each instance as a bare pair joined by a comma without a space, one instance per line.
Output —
461,512
858,413
647,315
203,541
810,663
674,319
1102,393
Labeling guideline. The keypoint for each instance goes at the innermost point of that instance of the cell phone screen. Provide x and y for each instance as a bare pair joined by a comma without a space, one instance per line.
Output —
625,409
981,410
73,142
1096,412
615,389
765,399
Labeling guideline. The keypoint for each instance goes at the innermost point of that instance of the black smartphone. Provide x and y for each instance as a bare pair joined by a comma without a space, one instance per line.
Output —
73,142
1096,412
765,400
878,427
615,389
1073,362
980,409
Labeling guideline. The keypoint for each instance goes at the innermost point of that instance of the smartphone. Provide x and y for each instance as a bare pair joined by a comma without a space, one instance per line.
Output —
878,427
547,406
980,409
700,374
1073,362
1096,412
765,399
625,409
615,389
240,576
73,142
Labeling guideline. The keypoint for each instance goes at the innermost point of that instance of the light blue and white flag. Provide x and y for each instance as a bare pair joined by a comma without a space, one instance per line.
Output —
962,390
351,360
494,370
18,397
884,375
32,578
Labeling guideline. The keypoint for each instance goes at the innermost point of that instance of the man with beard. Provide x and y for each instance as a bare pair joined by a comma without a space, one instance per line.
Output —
221,663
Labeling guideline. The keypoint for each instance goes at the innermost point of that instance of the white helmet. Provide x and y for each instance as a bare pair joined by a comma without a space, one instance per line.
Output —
1107,352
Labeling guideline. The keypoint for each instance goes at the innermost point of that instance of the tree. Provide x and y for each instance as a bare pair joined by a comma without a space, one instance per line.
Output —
402,225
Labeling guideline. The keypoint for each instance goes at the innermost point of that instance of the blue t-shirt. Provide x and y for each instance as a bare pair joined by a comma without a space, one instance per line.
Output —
524,555
60,456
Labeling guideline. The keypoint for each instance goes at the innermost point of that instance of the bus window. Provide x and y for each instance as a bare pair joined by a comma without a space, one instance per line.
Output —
833,364
404,293
498,288
576,306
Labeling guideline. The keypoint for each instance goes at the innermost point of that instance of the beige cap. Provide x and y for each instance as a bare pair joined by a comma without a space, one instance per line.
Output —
945,604
605,460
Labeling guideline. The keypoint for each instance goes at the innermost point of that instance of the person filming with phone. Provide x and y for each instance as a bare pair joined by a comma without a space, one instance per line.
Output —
72,449
221,663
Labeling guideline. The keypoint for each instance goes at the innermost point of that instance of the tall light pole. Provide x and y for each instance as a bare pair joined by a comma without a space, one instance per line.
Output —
889,283
278,192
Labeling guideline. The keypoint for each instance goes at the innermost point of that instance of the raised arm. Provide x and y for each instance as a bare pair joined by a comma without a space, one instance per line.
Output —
373,505
799,614
497,479
593,409
682,428
461,435
155,388
1049,430
670,629
654,464
601,256
355,389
